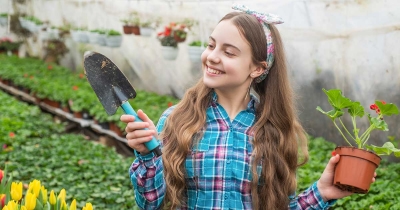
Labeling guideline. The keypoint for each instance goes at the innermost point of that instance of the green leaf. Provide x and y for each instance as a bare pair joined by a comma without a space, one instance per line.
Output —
378,123
387,109
333,114
337,99
386,149
356,109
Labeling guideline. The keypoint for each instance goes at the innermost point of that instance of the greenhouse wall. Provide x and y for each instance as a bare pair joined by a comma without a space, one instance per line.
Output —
352,45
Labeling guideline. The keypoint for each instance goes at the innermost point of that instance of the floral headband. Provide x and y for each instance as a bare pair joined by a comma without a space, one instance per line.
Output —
264,19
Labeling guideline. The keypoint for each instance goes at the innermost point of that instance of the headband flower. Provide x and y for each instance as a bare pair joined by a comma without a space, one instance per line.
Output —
265,19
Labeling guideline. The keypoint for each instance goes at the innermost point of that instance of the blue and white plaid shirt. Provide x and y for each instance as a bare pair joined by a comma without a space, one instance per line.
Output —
218,169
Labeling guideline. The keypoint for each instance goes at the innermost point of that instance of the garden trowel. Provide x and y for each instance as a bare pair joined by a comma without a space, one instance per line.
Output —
112,88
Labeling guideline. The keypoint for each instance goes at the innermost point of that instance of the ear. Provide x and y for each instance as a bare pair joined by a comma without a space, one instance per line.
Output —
258,70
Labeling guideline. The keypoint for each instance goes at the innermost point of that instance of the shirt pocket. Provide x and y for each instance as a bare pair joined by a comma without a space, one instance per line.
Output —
195,161
243,151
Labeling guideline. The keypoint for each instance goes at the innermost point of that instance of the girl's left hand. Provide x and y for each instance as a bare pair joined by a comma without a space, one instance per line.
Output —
325,185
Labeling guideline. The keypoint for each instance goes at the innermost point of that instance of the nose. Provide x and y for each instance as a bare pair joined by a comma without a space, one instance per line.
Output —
213,56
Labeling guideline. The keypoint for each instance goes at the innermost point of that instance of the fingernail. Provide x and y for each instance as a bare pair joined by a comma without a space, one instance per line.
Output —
333,153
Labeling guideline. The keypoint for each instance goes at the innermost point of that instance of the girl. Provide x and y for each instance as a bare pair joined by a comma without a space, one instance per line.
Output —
224,147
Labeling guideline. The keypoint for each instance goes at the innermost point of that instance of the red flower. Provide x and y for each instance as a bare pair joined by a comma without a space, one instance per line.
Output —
12,134
49,67
383,102
378,111
31,77
170,104
373,107
81,75
75,87
25,75
333,153
1,175
2,200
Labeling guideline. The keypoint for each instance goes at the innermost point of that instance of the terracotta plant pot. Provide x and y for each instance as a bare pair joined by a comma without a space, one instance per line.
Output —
115,128
355,170
51,103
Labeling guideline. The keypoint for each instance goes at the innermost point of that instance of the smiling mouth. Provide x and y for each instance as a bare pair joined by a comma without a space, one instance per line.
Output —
213,71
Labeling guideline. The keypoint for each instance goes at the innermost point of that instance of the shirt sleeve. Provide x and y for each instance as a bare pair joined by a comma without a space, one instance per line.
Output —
146,174
309,199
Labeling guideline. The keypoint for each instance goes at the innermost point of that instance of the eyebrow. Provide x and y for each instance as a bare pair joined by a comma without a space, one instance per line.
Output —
226,44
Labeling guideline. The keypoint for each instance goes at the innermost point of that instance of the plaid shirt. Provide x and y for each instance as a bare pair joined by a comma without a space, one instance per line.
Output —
218,170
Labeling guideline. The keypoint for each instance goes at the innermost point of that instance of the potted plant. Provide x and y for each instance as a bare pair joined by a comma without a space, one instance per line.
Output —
93,36
3,19
113,39
101,37
169,45
358,161
146,29
132,24
195,49
8,46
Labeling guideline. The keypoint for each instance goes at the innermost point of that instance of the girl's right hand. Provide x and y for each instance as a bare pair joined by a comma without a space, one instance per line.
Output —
135,134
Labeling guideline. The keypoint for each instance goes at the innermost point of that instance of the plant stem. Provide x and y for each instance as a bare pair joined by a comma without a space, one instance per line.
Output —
341,122
365,135
341,133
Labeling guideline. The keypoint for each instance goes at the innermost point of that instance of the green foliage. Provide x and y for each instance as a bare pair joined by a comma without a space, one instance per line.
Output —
113,33
197,43
169,41
3,15
340,103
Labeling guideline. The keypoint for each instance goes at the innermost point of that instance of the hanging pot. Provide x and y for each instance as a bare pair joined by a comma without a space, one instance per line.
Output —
114,41
355,169
169,53
195,53
145,31
93,37
101,39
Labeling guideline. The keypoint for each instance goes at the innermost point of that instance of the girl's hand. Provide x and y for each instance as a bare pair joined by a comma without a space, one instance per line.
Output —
325,183
136,136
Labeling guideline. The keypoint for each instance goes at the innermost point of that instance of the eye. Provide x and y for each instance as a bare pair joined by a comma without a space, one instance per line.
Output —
229,54
210,46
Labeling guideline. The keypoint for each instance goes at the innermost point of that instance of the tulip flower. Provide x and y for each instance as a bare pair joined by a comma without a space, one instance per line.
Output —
88,207
63,205
30,201
2,200
44,194
62,195
34,187
16,191
52,198
23,208
1,175
11,205
73,205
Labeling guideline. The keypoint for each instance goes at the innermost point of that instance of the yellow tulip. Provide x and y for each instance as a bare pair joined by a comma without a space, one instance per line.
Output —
52,198
44,194
16,191
34,187
23,208
73,205
30,201
88,207
11,205
63,205
62,195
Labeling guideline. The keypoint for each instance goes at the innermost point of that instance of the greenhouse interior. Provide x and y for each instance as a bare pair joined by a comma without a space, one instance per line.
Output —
203,80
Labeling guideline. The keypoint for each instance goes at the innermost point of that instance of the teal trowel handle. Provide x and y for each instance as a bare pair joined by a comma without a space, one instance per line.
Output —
152,145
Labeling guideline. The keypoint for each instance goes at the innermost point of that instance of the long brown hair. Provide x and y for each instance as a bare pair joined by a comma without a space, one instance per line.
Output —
278,135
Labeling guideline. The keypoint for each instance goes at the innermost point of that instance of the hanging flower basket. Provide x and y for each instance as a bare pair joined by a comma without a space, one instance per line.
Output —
146,31
114,39
169,53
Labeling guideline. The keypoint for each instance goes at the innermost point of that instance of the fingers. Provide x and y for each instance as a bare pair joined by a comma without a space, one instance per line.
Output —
127,118
330,168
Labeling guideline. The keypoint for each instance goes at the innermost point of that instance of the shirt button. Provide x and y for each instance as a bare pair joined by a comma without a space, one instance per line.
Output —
226,197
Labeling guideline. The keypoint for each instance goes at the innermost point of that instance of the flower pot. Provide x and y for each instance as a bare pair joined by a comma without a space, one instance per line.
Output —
74,35
195,53
51,103
144,31
3,21
169,53
93,37
127,29
179,38
355,170
101,39
83,36
114,41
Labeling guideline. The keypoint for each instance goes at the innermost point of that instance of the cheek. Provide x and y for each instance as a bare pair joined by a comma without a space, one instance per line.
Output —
204,56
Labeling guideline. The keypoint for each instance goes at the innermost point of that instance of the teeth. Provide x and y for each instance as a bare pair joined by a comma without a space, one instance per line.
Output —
213,71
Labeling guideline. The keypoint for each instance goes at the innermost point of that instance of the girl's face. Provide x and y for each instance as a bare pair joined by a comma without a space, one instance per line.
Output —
227,61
